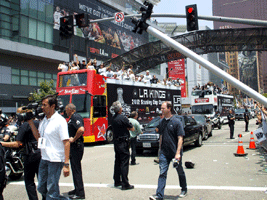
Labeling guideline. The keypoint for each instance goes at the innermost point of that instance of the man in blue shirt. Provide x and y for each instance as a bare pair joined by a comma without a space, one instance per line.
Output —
171,143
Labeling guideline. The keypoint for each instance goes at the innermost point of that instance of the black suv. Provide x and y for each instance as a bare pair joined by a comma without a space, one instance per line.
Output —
150,138
205,123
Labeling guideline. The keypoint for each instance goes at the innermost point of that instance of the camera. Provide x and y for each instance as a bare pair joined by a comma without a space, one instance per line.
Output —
175,163
32,110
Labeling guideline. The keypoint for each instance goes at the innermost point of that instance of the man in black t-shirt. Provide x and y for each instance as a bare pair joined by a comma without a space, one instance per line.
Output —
76,130
171,143
32,155
121,126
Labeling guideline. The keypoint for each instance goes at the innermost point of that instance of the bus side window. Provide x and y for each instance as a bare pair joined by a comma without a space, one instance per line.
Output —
99,104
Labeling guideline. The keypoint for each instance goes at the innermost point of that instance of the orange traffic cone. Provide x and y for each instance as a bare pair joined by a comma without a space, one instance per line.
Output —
252,144
240,149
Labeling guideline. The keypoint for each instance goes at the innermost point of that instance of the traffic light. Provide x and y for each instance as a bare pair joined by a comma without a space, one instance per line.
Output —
191,17
82,20
66,27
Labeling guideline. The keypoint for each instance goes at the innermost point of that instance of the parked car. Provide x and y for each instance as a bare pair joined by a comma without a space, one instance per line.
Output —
150,138
239,113
205,123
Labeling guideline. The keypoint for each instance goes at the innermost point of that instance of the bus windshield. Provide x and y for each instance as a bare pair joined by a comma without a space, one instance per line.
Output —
70,80
82,103
202,109
65,99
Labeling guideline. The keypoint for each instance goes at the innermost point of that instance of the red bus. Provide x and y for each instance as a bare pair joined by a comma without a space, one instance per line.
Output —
93,94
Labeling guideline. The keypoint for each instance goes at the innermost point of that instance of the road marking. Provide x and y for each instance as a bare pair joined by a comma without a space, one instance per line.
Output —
172,187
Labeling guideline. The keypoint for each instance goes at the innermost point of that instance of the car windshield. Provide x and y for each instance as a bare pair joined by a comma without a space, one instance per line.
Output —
239,110
153,123
199,119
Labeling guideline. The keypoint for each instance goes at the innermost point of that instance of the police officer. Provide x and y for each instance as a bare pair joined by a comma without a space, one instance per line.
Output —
76,130
246,119
32,155
121,126
231,120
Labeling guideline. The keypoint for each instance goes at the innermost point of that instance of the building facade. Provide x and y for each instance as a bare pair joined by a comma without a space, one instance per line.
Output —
31,49
249,66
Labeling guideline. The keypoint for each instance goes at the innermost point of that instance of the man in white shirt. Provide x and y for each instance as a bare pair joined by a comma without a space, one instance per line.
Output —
53,140
63,67
102,70
147,77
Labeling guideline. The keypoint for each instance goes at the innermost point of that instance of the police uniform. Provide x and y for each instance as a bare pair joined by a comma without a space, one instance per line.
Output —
32,157
231,125
120,125
76,154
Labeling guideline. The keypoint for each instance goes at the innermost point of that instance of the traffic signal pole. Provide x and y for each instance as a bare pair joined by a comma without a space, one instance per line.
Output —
209,66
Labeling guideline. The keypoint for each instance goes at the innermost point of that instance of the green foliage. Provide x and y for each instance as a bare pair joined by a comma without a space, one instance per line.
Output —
265,95
46,88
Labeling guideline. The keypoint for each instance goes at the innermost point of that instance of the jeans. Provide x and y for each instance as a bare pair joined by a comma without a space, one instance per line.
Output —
133,147
48,179
164,163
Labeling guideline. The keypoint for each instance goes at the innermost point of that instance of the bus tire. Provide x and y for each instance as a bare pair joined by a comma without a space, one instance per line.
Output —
109,135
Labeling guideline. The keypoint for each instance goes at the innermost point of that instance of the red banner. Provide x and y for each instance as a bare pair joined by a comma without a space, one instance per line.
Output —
176,70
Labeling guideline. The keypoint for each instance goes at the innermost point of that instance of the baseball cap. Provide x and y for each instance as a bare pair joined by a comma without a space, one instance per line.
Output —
147,70
83,60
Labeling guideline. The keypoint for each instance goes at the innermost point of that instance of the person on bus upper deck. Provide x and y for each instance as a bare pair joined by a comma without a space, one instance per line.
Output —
102,70
89,65
121,126
131,75
130,69
147,77
81,65
109,72
154,80
63,67
141,78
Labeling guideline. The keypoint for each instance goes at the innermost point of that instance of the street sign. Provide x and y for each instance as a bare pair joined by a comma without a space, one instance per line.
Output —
119,17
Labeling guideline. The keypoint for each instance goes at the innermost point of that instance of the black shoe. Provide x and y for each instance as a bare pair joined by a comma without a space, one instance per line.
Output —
129,187
117,184
183,194
156,160
133,163
232,138
77,197
72,192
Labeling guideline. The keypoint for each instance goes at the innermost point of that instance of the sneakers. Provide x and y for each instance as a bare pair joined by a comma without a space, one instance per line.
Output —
155,197
183,194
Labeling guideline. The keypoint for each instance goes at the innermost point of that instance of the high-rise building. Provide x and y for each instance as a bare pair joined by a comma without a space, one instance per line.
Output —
249,66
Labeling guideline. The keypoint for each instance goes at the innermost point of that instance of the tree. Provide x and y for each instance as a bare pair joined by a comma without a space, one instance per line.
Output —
46,88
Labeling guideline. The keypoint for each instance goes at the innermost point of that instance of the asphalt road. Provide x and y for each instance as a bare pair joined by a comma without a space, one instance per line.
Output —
218,174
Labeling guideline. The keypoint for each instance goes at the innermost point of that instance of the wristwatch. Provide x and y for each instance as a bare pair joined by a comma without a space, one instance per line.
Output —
66,164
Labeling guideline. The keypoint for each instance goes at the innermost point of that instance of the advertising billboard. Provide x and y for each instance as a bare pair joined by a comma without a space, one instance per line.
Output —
176,71
108,39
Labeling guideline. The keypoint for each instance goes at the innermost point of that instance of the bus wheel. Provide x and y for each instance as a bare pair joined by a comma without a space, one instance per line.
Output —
109,136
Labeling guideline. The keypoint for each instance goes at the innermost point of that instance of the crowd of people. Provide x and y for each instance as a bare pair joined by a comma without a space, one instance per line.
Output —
210,86
124,73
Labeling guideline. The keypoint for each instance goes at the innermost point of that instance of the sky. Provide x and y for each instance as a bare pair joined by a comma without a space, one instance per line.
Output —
204,7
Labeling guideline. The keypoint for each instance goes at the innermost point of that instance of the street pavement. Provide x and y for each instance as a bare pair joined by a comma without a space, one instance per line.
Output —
217,174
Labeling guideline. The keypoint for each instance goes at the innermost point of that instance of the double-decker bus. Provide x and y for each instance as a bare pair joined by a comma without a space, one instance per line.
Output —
208,102
93,95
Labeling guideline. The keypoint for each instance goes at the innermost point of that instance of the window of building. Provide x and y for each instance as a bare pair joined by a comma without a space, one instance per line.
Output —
31,78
